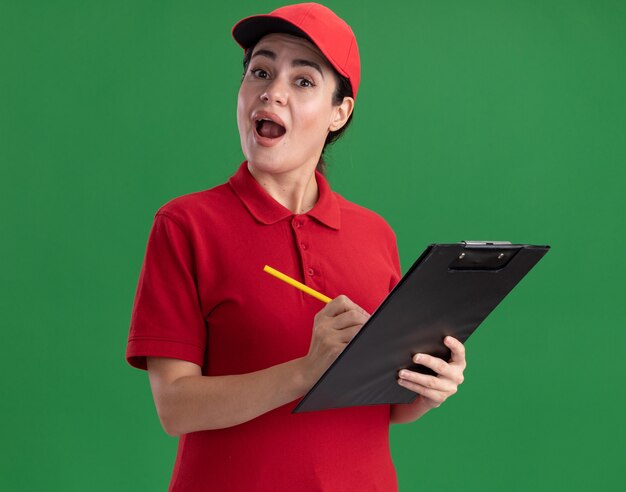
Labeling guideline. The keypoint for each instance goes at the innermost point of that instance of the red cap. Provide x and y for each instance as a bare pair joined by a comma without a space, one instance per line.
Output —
322,26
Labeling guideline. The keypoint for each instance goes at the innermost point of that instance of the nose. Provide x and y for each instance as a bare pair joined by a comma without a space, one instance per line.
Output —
275,92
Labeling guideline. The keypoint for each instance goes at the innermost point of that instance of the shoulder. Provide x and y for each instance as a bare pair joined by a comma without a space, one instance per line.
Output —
357,215
198,206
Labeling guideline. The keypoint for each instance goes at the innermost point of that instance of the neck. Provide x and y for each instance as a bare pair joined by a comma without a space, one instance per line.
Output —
295,190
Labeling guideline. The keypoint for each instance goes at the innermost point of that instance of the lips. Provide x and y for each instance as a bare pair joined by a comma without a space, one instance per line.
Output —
268,127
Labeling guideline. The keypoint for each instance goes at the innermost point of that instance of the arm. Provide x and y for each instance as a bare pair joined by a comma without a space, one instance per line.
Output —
432,390
187,401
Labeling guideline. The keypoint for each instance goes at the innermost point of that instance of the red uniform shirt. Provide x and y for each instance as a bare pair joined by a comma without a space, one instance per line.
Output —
203,297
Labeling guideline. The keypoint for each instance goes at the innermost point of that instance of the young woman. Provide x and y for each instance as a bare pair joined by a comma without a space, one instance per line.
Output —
229,349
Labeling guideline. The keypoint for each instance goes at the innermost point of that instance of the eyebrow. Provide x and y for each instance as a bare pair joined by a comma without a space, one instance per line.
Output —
266,53
308,63
298,62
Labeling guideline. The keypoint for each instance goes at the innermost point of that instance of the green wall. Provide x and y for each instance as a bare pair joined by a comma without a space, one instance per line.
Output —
476,120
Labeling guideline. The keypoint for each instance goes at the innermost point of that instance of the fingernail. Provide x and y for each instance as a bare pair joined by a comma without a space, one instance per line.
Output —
404,374
417,358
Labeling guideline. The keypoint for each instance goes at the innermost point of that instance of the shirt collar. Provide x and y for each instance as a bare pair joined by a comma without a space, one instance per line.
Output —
268,211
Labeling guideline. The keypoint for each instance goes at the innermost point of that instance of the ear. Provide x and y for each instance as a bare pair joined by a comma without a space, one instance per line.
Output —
341,114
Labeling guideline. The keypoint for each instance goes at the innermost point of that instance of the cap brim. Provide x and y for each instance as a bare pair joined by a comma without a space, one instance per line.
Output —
247,32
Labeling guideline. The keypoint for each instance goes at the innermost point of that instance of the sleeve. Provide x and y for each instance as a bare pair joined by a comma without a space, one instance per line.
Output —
167,320
395,260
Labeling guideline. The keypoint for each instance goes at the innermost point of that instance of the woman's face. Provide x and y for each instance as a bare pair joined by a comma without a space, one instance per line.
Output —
285,108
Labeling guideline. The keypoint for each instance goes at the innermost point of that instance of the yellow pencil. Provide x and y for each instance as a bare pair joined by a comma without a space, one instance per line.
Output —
296,284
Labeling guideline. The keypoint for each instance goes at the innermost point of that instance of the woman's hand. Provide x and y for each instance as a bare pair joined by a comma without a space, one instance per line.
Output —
333,328
434,390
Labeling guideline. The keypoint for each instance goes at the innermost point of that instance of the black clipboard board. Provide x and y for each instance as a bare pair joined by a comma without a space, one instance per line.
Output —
449,290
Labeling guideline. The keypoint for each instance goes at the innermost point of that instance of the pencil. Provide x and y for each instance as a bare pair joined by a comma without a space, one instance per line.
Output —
304,288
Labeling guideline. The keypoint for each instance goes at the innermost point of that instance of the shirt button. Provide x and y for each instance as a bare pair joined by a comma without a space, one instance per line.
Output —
311,272
304,246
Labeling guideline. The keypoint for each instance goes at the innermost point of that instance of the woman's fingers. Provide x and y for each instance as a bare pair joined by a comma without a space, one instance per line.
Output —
436,389
457,350
426,381
341,304
334,326
440,366
435,396
346,335
349,319
344,326
341,314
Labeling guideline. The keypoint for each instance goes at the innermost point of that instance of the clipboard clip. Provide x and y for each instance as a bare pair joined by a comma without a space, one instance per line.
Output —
484,255
486,243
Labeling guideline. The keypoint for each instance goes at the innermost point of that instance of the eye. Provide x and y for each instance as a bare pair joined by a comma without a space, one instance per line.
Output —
303,82
259,73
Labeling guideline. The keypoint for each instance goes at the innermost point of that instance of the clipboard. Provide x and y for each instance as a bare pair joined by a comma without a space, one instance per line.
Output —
449,290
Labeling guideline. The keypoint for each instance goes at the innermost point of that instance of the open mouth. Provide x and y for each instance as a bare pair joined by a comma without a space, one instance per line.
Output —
267,128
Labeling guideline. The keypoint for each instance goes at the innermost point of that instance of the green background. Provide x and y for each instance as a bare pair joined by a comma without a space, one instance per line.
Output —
476,120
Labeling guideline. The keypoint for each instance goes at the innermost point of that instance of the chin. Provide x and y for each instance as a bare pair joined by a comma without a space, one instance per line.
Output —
271,166
269,162
276,160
